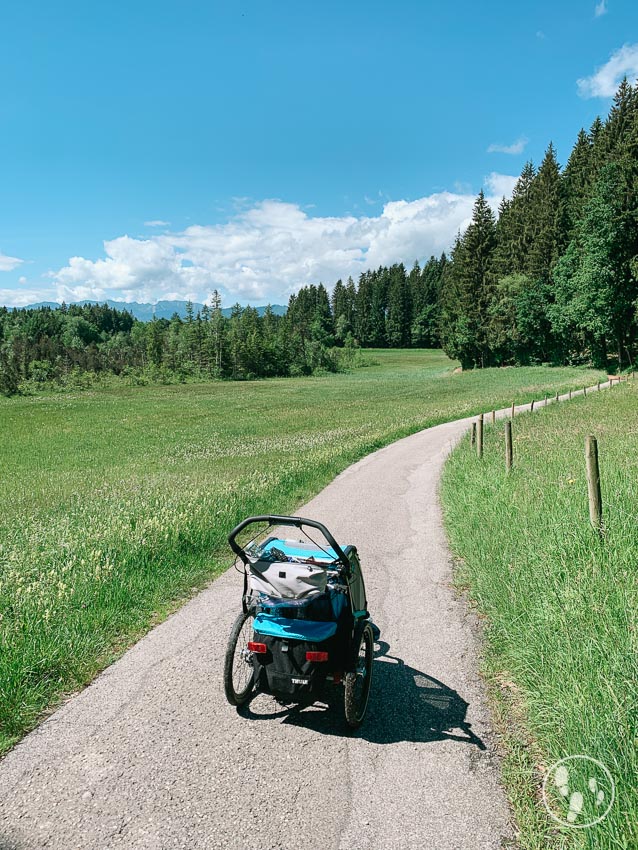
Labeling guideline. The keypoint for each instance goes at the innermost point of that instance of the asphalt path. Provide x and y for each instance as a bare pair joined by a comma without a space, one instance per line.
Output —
152,756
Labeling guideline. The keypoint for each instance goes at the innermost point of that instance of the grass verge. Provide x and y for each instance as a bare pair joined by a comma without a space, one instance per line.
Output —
115,505
559,607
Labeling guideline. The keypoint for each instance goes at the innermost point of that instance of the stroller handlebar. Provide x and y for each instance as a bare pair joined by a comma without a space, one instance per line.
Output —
295,522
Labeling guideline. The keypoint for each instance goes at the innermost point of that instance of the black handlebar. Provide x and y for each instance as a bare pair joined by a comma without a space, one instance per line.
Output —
295,521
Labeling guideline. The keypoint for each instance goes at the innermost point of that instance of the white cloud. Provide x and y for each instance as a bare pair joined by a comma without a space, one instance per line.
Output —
8,264
157,222
516,147
601,8
604,82
499,185
22,297
269,250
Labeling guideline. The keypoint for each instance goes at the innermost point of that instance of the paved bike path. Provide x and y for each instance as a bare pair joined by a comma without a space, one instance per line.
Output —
152,756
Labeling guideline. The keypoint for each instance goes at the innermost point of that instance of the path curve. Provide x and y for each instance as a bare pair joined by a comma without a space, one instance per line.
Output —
152,756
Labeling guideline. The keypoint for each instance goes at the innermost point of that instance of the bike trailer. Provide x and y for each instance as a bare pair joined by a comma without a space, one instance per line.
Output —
305,621
303,625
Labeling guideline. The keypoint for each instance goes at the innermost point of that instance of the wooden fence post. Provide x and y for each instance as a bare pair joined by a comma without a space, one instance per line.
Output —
493,417
531,407
479,436
598,386
546,397
509,453
570,395
557,398
593,484
585,391
473,437
512,410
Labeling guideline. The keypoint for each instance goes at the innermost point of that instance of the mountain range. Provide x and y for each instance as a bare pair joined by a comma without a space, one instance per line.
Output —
161,310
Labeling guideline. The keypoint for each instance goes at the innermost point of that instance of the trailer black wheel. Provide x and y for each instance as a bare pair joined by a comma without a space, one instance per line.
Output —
239,673
358,681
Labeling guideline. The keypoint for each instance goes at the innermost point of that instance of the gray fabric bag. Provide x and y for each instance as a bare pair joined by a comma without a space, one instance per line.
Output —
287,579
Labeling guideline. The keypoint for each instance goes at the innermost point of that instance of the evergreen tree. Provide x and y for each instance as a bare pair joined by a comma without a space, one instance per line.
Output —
425,302
380,284
363,327
350,303
399,316
322,327
619,124
514,228
467,290
547,212
217,336
339,310
155,342
275,355
577,179
596,285
173,345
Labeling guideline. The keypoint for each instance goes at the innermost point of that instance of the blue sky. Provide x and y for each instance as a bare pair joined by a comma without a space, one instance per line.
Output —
162,149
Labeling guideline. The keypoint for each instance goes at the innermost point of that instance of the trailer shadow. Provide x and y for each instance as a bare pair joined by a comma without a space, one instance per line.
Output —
405,705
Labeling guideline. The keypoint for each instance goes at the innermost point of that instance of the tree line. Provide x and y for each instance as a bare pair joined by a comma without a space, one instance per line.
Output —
319,333
553,278
71,343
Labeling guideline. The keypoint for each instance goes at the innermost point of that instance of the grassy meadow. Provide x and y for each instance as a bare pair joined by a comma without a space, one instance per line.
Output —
115,504
560,605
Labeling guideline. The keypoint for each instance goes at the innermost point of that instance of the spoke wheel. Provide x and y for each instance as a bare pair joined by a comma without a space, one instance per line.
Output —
239,673
357,682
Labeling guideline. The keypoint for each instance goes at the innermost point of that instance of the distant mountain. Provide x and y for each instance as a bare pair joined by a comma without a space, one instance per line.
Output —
161,310
51,304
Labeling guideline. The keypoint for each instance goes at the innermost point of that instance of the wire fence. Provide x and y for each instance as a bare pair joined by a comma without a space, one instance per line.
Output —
597,505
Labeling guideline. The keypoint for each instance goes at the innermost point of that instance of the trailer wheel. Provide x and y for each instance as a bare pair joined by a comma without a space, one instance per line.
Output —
239,673
358,681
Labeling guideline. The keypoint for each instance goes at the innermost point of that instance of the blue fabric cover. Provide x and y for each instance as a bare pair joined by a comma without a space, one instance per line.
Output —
282,627
303,550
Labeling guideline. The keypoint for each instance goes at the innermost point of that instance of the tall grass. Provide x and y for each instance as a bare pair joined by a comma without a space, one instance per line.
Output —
115,505
560,604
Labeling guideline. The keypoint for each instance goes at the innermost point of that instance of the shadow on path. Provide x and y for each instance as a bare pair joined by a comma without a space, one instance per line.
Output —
405,705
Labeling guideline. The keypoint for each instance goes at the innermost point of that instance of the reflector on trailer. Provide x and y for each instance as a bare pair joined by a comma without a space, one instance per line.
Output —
316,656
257,648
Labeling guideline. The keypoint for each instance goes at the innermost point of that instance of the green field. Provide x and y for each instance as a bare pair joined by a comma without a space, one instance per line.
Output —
560,604
115,504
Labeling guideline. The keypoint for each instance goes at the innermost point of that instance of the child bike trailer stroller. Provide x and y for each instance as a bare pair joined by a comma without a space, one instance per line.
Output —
304,624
